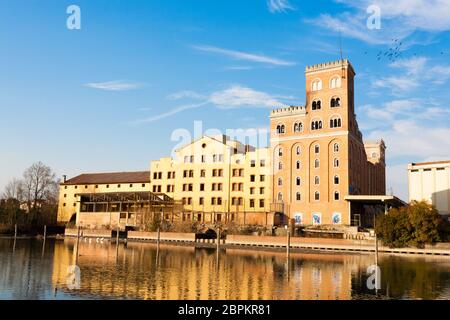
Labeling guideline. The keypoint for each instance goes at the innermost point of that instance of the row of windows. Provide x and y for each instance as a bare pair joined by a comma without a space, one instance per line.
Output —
335,82
298,196
298,150
158,175
335,122
131,185
203,158
235,201
335,102
298,181
189,187
316,164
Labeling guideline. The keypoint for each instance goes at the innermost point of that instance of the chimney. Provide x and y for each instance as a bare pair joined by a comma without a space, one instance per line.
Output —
64,178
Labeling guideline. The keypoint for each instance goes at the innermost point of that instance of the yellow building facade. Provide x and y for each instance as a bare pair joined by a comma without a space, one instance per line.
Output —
316,158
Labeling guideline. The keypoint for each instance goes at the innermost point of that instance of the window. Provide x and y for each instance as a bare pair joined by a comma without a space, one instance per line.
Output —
219,201
316,180
261,203
280,152
65,195
143,185
335,82
280,197
316,149
213,201
280,166
186,159
262,163
262,178
336,196
317,105
317,196
280,182
252,203
252,190
252,178
335,102
298,127
299,165
191,173
316,125
252,163
202,187
298,151
261,190
336,163
336,179
280,129
202,173
298,181
201,201
203,158
191,158
316,85
336,147
298,196
317,163
335,122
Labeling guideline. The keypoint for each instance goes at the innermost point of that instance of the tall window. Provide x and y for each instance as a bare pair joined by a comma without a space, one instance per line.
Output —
336,147
336,196
317,196
316,125
280,197
317,180
280,129
280,166
298,127
316,149
336,163
298,165
335,122
298,150
336,179
280,182
317,163
316,85
317,105
298,196
335,82
298,181
335,102
280,152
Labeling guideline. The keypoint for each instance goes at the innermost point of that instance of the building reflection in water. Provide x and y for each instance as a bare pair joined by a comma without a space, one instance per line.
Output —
183,272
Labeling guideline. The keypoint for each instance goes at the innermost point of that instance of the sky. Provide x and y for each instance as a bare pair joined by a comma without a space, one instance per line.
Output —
111,95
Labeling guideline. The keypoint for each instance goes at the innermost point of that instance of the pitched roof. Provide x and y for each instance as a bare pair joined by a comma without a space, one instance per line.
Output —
112,177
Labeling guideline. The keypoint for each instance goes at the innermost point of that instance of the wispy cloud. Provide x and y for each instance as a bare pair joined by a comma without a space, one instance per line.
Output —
278,6
240,55
232,97
116,85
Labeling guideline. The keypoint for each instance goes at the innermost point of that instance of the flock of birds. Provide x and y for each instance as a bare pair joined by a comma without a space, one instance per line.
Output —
394,52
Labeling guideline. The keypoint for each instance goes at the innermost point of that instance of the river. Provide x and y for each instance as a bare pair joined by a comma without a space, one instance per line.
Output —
31,270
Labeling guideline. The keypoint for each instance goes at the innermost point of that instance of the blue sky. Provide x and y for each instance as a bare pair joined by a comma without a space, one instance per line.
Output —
107,97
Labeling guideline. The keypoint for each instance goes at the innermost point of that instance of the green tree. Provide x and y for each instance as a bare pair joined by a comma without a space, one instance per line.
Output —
416,224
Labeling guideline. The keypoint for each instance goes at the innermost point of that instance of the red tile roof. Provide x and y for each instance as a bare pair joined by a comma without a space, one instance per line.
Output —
112,178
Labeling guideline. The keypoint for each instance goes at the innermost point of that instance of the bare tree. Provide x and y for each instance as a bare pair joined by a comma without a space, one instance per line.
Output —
13,190
39,184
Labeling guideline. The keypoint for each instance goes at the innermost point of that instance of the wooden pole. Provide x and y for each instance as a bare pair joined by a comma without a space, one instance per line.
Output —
78,244
15,237
288,244
218,239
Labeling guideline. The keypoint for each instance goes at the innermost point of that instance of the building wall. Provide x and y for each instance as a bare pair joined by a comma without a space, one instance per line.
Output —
341,152
430,182
67,205
238,191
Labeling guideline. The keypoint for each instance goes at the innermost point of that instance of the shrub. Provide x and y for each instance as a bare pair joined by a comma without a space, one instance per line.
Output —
416,224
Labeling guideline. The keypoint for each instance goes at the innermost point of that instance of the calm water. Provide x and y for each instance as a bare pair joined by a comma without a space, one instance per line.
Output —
140,271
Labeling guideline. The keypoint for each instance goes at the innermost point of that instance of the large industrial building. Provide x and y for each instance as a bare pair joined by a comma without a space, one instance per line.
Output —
317,170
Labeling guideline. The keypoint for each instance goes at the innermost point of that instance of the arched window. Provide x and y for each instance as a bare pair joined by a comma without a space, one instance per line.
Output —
298,165
317,105
298,127
336,163
336,147
316,85
316,149
298,181
298,196
280,197
335,102
298,151
317,196
317,180
280,128
280,182
335,122
317,163
280,165
336,179
336,195
335,82
316,125
280,152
